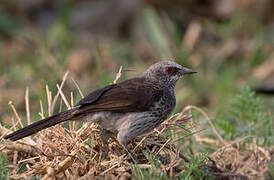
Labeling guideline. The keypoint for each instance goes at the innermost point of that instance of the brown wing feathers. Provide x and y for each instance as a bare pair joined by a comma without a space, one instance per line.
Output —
128,96
94,96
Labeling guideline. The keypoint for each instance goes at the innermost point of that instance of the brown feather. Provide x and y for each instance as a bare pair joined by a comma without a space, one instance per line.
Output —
129,96
39,125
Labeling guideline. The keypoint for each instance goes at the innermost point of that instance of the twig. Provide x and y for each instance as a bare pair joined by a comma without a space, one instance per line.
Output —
142,140
109,169
27,106
63,97
208,119
42,110
118,75
4,131
72,124
16,114
28,159
77,86
190,134
14,124
62,166
58,93
49,98
71,99
163,146
233,142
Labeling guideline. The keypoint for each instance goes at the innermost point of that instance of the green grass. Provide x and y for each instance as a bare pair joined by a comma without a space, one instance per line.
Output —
153,172
193,170
270,174
246,115
4,173
190,171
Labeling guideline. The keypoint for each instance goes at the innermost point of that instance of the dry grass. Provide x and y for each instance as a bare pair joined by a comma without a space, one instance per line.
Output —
249,162
70,153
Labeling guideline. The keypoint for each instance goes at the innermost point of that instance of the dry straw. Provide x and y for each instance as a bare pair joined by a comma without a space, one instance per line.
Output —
73,153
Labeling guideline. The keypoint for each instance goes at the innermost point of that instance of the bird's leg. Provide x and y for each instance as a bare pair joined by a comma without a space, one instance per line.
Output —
132,155
123,141
105,135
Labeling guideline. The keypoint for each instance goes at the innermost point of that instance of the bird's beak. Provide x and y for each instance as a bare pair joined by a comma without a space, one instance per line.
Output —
187,71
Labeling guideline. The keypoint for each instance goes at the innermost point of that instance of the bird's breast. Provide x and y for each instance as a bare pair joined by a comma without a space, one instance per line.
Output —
164,106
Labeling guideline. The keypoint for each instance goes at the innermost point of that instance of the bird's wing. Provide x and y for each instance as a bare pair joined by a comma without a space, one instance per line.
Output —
94,96
129,96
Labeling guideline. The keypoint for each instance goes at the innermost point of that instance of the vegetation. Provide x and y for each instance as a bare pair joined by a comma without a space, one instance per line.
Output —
3,166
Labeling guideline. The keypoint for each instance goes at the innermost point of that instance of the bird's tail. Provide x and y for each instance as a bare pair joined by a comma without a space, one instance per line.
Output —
42,124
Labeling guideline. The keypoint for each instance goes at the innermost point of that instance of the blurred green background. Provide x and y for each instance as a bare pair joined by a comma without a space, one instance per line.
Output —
229,42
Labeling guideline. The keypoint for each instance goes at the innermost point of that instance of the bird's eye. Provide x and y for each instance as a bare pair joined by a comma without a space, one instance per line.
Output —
169,70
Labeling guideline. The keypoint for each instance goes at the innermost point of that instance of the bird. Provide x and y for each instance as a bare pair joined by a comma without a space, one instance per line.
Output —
127,109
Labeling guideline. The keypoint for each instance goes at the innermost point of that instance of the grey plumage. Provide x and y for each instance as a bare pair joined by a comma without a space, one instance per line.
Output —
129,109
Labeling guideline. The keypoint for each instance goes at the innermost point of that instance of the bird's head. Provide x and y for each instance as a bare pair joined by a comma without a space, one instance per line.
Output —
167,72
